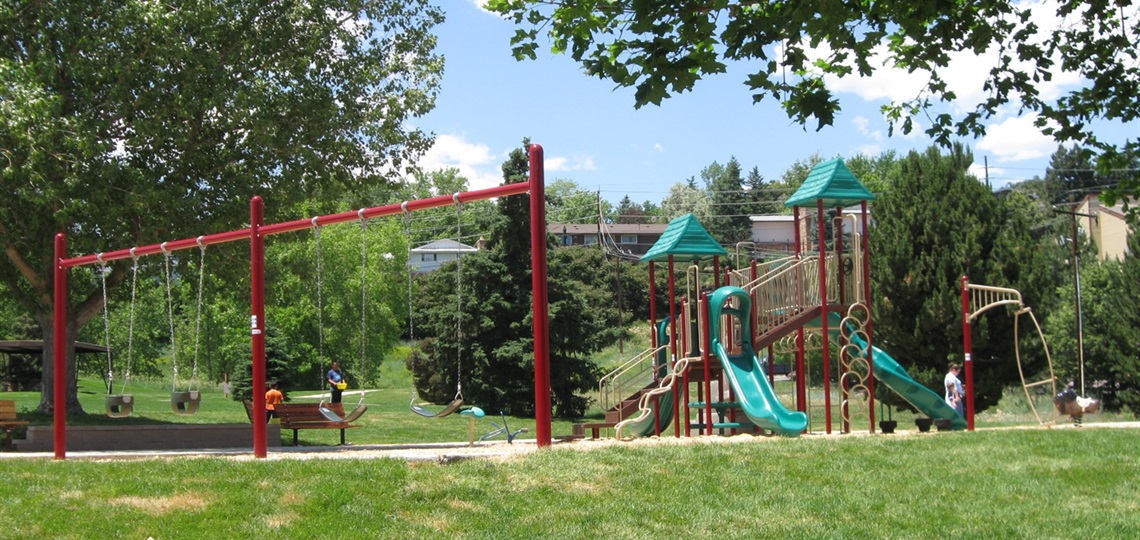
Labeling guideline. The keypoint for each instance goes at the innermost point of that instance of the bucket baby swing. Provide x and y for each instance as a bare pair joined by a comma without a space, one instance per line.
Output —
457,401
119,405
324,407
185,402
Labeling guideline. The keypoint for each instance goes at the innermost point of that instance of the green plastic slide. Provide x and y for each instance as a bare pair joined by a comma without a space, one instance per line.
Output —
744,371
891,373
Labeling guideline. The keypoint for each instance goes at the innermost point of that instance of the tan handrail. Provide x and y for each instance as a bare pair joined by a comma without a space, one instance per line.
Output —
643,405
617,384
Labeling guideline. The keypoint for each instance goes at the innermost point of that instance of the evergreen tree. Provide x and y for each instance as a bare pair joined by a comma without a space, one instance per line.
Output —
493,352
1070,175
763,196
936,224
729,221
629,212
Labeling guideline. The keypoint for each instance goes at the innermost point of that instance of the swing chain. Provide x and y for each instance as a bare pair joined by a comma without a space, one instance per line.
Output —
198,311
170,317
363,291
458,299
103,269
131,323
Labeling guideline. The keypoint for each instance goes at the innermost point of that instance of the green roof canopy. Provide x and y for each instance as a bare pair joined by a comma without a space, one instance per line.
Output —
832,182
686,240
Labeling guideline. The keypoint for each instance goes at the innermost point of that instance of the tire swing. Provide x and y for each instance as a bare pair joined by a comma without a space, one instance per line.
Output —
184,403
360,408
457,401
119,405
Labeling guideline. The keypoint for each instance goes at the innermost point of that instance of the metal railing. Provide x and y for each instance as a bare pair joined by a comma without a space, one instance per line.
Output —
633,375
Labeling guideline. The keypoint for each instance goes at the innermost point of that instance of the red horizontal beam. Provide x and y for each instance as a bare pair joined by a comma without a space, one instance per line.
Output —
296,225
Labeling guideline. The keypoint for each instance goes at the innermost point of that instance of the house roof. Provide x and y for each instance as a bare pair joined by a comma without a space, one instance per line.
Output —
612,228
780,218
446,245
832,182
686,240
35,346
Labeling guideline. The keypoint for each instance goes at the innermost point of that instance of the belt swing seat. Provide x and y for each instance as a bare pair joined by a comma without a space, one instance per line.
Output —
361,407
457,401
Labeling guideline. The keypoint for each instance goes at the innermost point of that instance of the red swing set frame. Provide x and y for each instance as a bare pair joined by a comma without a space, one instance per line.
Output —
256,234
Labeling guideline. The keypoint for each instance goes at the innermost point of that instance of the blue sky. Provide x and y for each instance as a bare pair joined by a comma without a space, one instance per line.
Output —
592,134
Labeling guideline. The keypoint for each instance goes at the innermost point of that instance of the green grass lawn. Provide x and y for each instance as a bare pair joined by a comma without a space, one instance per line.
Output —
1060,483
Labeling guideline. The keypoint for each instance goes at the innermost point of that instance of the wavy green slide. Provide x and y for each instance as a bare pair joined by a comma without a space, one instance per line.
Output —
891,373
664,403
745,373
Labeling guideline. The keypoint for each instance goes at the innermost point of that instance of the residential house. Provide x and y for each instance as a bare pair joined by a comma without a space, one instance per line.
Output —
631,238
429,257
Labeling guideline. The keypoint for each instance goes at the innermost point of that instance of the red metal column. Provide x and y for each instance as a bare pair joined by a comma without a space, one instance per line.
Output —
257,322
823,314
867,297
673,343
706,359
967,346
59,349
542,411
801,372
653,307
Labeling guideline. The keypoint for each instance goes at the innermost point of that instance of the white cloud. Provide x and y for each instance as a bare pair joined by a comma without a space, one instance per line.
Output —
577,163
475,162
1016,139
659,148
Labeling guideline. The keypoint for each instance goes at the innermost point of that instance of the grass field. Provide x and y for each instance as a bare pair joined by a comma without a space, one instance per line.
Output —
1028,483
1060,483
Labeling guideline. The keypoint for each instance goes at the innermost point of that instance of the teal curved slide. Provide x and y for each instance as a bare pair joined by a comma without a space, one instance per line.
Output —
664,403
744,371
891,373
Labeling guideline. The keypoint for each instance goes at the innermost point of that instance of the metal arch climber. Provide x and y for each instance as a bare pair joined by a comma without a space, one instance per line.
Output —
256,234
979,299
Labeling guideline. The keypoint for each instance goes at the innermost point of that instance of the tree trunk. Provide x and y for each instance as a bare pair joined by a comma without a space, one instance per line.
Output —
47,394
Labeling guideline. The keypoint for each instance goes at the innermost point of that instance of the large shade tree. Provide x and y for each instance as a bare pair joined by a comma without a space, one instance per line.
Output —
796,50
130,122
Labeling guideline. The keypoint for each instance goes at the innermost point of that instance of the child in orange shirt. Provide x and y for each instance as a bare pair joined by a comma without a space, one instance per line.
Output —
273,396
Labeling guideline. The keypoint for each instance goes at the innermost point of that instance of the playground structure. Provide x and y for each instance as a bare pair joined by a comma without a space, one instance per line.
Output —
977,299
791,305
256,234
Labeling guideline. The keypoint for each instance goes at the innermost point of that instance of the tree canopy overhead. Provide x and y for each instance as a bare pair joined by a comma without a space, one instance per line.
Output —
131,122
664,47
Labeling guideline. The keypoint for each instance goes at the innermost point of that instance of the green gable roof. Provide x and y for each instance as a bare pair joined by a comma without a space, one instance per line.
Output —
833,182
686,240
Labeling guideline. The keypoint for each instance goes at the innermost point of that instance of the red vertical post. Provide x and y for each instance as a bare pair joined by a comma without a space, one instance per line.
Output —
59,349
673,342
967,346
706,360
653,307
845,392
542,405
820,221
867,298
257,322
716,272
801,372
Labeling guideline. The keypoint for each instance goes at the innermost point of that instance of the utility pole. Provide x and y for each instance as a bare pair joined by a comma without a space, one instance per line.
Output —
1077,285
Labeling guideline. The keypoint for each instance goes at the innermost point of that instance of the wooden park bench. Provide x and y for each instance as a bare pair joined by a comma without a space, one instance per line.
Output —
8,421
298,416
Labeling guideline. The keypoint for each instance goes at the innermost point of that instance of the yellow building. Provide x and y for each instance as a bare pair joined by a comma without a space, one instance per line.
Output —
1105,226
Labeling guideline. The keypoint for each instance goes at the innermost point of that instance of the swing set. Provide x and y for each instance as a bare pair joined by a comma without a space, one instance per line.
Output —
457,401
256,234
